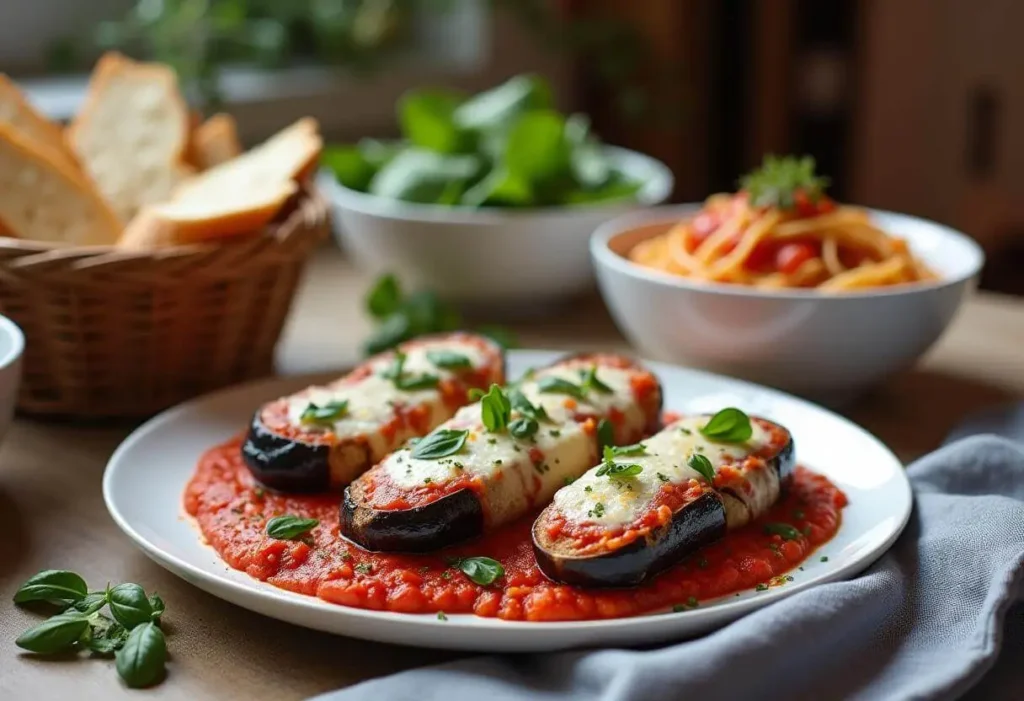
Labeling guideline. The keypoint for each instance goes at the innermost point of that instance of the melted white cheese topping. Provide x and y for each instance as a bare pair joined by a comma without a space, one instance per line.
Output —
513,483
371,399
623,499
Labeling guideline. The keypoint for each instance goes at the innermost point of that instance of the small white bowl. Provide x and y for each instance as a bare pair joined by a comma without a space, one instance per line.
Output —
485,257
829,347
12,345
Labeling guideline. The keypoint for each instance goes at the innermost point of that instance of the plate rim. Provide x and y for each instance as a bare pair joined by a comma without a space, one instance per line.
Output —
262,592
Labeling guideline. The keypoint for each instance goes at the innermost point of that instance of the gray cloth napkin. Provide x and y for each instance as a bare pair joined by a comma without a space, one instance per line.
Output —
925,622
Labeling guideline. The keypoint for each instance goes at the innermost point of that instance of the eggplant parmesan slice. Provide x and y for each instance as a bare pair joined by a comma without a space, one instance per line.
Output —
559,416
645,509
323,437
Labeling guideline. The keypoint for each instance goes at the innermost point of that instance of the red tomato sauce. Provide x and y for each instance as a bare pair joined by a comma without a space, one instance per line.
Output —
231,510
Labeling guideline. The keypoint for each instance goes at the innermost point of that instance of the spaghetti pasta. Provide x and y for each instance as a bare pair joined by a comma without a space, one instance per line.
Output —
781,231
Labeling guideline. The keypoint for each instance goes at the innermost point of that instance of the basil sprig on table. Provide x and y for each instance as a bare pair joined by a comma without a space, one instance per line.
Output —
289,527
441,443
326,414
730,425
701,464
401,317
481,570
131,633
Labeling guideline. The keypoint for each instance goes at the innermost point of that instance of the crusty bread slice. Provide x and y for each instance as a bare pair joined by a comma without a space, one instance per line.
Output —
197,218
214,142
132,133
45,200
286,156
18,112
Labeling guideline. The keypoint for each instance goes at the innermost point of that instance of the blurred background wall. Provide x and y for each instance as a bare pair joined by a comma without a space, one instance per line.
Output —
912,105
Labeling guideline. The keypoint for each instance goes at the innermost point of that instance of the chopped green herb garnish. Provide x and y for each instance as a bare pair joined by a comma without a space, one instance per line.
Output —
663,477
405,381
439,444
824,558
556,385
779,180
590,381
702,465
323,415
441,616
605,435
782,529
449,360
588,488
761,587
364,568
597,511
523,427
625,450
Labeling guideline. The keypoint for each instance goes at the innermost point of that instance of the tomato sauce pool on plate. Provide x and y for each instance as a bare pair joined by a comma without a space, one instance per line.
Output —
232,511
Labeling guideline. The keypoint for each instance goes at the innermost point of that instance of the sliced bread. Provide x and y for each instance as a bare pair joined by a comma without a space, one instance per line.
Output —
132,133
197,217
18,112
214,142
46,200
286,156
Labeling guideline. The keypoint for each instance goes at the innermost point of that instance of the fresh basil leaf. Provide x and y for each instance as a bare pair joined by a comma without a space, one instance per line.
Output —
440,443
524,406
423,176
627,450
481,570
379,153
384,298
349,166
326,414
475,394
590,167
702,465
618,470
449,360
92,602
106,636
536,149
523,427
785,530
429,314
141,660
157,604
129,605
495,410
556,385
427,117
590,381
495,108
55,634
605,435
730,425
412,383
54,586
288,527
617,187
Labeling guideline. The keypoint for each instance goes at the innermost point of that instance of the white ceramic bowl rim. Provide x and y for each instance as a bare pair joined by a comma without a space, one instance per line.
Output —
658,183
17,342
968,263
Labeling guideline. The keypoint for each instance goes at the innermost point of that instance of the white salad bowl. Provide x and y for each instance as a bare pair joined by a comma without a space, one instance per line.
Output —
12,346
485,257
828,346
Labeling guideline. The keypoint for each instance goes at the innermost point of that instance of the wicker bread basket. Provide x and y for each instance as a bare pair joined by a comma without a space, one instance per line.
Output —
113,333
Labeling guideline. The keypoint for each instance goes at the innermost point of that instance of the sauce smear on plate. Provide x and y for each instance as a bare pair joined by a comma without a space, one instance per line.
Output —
232,511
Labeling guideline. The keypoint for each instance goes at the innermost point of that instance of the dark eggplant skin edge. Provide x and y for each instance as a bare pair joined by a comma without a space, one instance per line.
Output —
701,522
451,519
296,467
285,464
448,521
697,524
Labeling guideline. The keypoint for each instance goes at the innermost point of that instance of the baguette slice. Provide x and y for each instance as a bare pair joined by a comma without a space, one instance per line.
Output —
215,141
132,133
197,218
18,112
43,199
286,156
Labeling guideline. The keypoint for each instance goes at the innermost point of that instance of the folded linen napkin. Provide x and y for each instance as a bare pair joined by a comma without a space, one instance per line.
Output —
925,622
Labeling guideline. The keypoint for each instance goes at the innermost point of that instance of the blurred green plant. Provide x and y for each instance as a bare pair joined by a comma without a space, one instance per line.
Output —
198,37
504,147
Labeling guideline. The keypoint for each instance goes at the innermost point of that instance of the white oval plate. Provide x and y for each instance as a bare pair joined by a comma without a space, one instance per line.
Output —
146,476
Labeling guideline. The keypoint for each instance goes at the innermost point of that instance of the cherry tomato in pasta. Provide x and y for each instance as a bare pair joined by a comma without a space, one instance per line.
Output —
790,257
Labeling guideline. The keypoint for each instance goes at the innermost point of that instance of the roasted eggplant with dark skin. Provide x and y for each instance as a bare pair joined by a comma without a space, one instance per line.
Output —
475,472
322,438
646,507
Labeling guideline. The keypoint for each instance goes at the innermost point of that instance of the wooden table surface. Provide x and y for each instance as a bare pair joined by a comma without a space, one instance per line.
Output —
52,513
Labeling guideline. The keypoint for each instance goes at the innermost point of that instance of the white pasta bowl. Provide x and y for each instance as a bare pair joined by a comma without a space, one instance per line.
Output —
12,346
828,346
485,257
